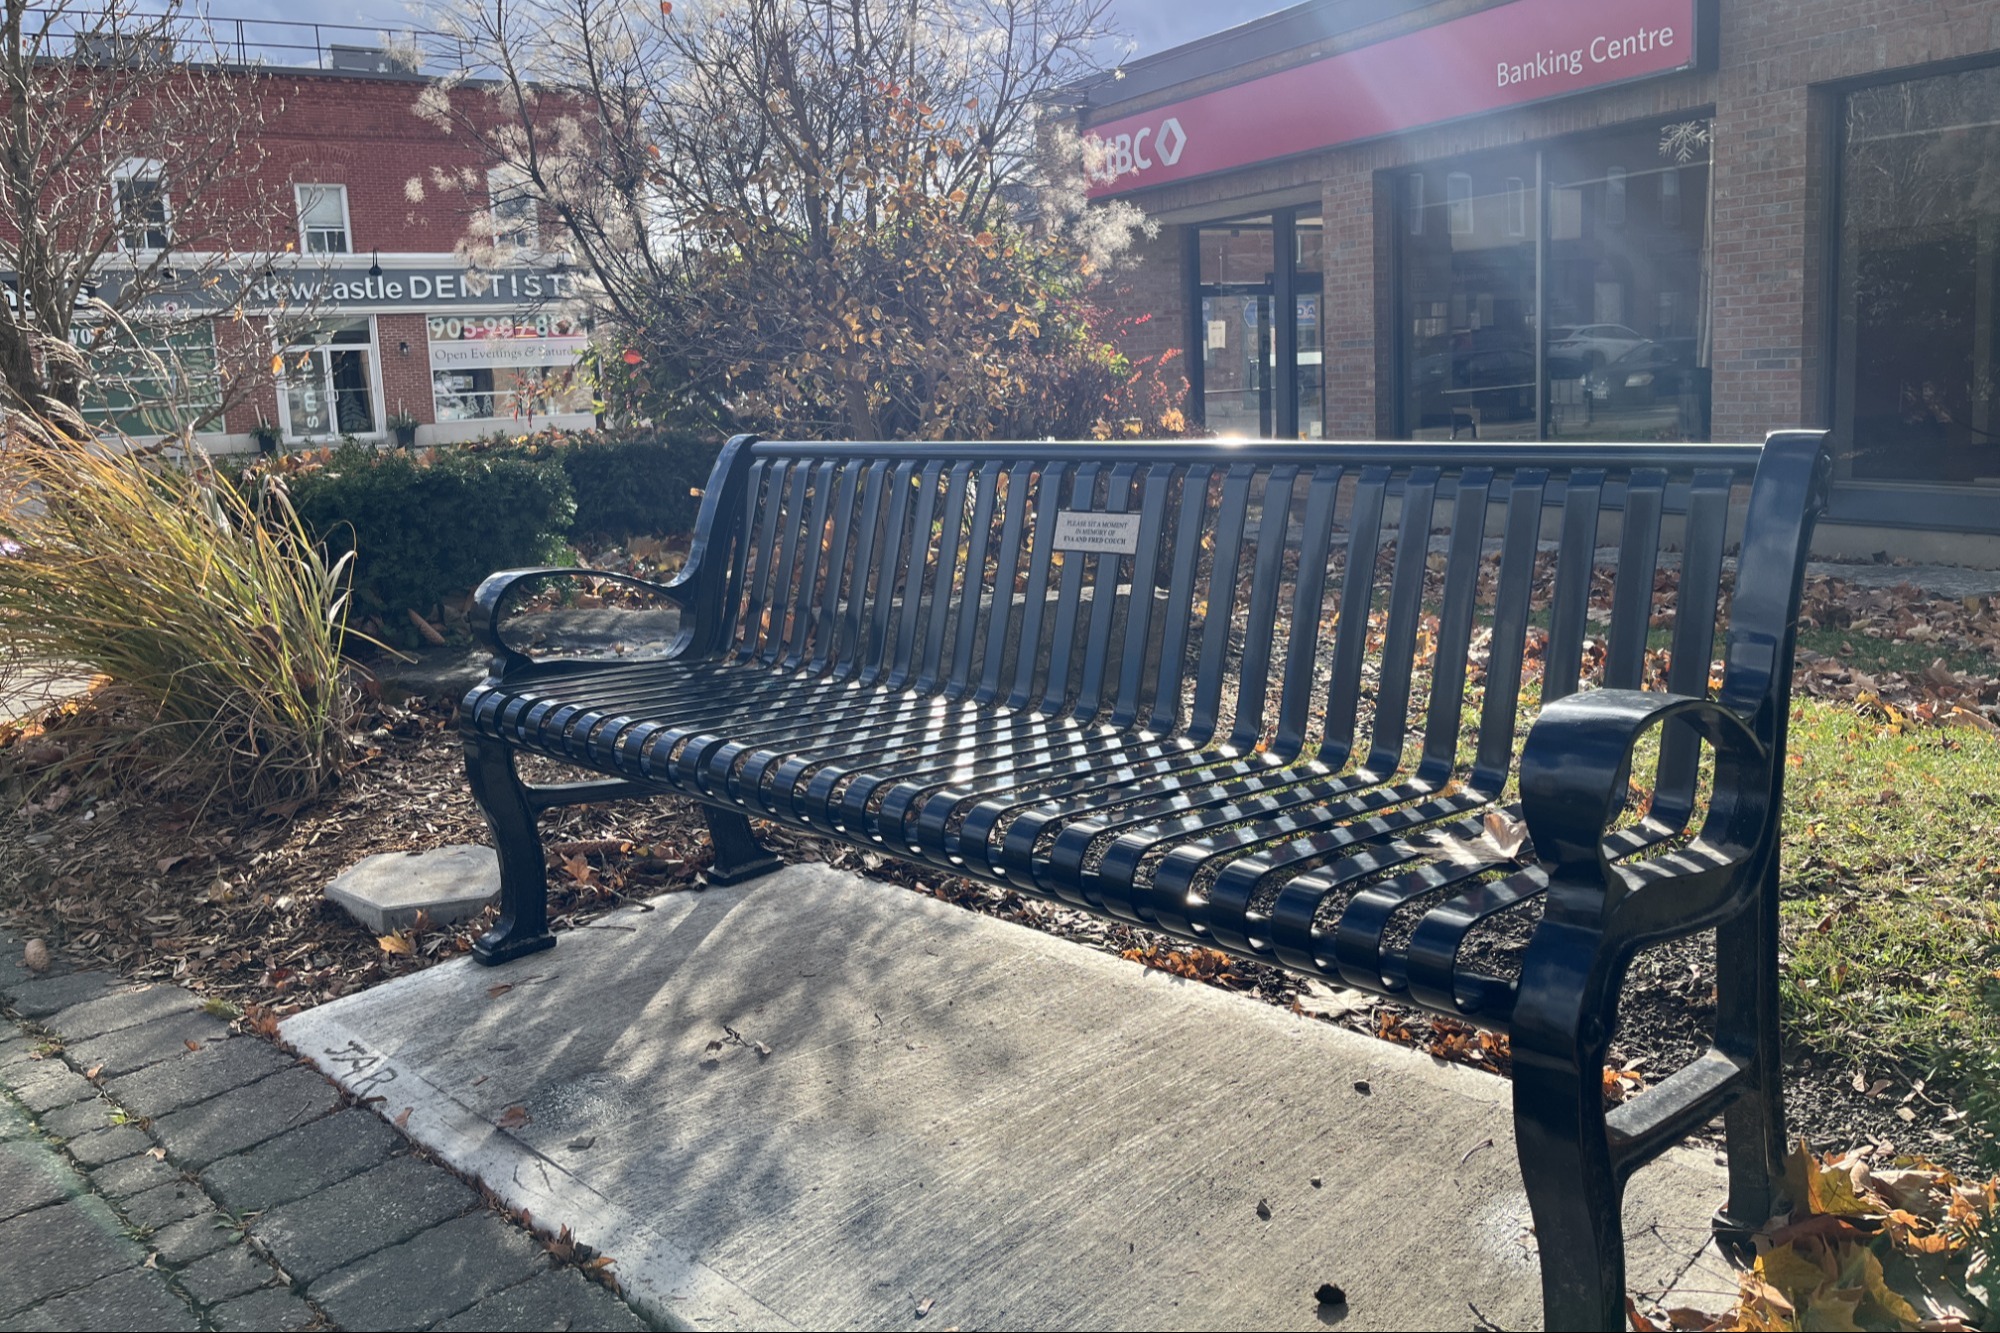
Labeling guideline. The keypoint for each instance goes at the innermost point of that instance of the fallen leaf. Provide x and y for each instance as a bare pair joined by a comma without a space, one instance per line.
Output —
513,1118
399,943
191,1043
495,992
93,1071
924,1306
402,1121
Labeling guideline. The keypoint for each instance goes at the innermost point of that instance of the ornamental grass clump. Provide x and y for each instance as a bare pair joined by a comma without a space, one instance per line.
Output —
211,618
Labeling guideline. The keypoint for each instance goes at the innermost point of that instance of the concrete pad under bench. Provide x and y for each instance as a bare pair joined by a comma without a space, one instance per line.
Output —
962,1120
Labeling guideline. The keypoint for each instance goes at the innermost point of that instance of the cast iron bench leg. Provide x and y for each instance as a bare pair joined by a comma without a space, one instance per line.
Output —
524,872
738,854
1559,1041
1746,1026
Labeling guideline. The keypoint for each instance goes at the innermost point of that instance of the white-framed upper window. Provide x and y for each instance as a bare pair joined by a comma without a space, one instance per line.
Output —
1517,206
1458,203
323,228
513,209
139,198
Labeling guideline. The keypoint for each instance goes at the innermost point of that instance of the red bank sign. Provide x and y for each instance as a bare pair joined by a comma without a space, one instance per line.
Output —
1506,56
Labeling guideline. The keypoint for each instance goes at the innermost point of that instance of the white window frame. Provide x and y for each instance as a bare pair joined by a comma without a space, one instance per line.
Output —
302,194
1458,203
137,169
513,182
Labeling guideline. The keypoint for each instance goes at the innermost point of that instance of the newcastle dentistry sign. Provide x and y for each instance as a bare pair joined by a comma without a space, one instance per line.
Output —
296,283
1504,56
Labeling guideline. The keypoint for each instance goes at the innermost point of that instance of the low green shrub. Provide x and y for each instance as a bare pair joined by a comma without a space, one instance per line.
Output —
426,528
625,485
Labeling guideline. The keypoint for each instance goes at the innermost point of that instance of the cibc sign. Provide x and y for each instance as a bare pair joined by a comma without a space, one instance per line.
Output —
1505,56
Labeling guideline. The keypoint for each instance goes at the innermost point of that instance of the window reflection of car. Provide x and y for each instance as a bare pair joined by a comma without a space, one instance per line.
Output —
1499,380
1593,344
1647,374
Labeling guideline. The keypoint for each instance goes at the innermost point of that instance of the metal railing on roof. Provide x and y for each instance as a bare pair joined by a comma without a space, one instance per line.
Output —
198,38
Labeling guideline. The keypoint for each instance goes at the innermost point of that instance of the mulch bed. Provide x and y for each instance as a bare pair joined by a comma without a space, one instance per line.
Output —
233,909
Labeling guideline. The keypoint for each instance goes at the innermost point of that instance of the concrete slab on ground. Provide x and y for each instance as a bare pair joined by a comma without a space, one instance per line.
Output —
386,891
960,1120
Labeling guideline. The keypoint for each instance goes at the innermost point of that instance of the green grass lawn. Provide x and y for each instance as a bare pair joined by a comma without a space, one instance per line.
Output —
1891,915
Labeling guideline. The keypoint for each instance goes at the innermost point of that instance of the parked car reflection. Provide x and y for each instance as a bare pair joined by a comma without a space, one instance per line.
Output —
1648,374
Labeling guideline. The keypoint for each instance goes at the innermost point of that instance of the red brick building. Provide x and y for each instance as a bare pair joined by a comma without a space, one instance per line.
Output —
387,315
1590,219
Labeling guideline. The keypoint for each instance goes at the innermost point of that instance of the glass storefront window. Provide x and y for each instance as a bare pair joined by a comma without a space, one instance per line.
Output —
155,387
1917,346
1255,378
329,384
507,367
1572,310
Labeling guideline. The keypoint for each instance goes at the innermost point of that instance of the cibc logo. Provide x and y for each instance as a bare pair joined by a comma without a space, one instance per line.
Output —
1127,153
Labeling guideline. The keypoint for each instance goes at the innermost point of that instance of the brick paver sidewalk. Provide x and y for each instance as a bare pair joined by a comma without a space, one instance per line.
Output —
158,1172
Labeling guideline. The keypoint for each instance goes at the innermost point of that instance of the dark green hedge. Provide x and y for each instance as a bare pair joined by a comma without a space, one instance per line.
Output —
427,529
625,485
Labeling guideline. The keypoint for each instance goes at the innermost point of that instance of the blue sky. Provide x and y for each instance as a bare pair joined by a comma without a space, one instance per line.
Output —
1153,24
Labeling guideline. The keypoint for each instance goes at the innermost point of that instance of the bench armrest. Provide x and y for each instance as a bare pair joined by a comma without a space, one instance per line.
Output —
490,602
1575,771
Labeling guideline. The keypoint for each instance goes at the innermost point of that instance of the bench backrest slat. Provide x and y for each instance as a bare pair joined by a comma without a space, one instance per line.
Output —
1514,586
1141,606
1575,565
1632,581
826,625
1195,515
1399,635
1103,576
1351,628
980,534
1228,535
1254,666
1301,655
1063,632
1007,569
1049,488
760,526
1695,605
791,519
916,569
812,553
948,547
1454,635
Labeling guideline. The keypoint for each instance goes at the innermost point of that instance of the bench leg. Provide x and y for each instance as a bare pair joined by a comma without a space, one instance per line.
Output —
1560,1034
738,854
1746,1026
524,873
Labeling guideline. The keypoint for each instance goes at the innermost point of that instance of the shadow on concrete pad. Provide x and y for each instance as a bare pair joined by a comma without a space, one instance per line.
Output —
961,1120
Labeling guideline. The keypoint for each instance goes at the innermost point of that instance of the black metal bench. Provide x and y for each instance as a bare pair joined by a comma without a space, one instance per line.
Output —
1138,678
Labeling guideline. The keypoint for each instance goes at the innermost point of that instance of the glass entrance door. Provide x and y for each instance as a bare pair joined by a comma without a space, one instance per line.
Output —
1259,373
1238,348
329,385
